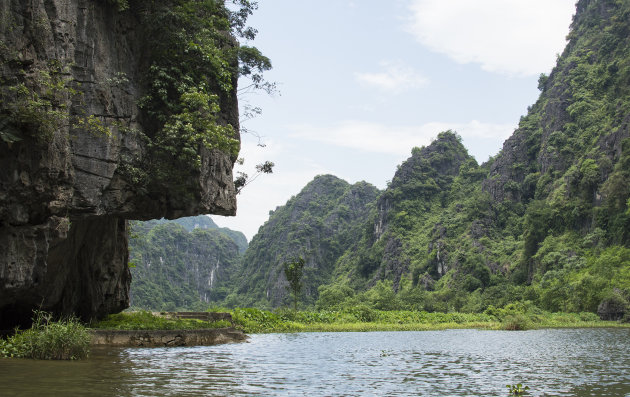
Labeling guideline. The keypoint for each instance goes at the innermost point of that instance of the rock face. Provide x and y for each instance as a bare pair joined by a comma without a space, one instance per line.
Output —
66,191
176,268
420,179
551,137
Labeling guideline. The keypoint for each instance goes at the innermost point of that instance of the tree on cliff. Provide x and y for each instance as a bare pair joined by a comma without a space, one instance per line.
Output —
293,270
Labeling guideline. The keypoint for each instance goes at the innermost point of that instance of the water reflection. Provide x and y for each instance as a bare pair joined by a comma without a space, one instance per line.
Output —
434,363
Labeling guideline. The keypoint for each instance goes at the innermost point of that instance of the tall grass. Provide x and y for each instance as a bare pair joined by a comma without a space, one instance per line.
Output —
65,339
145,320
512,317
363,318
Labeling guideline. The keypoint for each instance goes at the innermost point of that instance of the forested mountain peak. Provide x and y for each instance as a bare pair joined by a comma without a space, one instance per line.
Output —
191,223
545,223
442,157
318,224
429,171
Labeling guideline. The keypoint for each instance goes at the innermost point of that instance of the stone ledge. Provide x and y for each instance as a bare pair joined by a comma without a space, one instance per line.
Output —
166,338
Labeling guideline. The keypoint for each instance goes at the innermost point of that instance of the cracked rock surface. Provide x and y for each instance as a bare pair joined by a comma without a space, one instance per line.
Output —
65,199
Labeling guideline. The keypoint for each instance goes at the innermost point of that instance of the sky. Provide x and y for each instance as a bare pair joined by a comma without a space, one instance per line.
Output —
362,82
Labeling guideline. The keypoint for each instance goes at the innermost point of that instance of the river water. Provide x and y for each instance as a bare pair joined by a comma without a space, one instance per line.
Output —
566,362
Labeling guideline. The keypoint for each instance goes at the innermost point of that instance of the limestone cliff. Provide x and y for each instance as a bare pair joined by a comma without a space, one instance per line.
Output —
420,179
180,269
581,113
75,161
318,224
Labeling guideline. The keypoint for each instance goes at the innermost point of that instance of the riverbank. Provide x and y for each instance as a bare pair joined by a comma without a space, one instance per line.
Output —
375,327
360,319
259,321
164,329
166,338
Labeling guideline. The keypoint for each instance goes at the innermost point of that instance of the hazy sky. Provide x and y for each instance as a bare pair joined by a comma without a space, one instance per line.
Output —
362,82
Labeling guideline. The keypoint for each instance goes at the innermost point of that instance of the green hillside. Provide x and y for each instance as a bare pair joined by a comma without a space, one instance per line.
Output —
180,267
545,221
318,224
195,222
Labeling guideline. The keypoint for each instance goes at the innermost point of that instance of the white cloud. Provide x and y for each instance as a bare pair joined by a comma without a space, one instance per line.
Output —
397,77
477,129
398,140
514,37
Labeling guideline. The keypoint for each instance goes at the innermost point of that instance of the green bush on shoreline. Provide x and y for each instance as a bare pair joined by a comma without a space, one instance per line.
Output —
516,316
66,339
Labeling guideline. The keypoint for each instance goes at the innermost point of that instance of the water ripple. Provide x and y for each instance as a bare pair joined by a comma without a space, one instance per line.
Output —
432,363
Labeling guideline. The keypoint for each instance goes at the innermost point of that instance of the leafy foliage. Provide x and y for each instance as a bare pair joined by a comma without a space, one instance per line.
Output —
144,320
293,271
318,224
517,389
190,84
37,103
243,179
65,339
192,67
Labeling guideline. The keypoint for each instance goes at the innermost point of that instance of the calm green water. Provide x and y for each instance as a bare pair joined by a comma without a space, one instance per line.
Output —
590,362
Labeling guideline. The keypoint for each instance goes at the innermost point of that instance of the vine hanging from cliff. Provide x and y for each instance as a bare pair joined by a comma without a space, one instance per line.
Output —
37,102
193,63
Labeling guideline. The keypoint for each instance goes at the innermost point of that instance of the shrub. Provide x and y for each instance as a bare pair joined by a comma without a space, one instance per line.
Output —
382,296
49,340
516,322
362,313
588,317
331,296
614,306
256,320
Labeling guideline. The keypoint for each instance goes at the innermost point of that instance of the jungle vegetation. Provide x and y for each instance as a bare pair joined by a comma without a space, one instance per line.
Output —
545,223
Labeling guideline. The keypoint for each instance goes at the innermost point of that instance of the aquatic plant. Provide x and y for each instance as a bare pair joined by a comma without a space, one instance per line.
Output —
517,389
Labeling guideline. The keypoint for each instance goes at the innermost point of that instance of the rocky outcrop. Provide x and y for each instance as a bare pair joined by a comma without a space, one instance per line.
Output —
564,126
429,171
176,268
503,169
77,164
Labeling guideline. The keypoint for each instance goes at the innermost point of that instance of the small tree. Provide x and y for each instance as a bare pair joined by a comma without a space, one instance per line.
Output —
293,270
